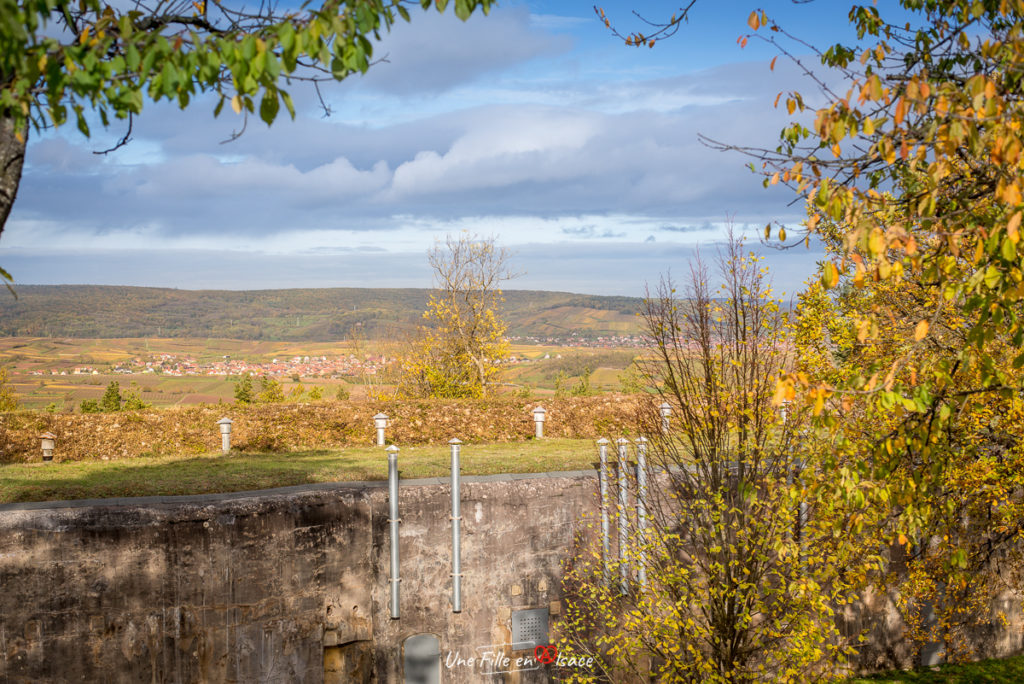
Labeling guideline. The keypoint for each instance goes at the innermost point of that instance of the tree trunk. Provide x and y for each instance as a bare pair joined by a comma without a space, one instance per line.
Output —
12,157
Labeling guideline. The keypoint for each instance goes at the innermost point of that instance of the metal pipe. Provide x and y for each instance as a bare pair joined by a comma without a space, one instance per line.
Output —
393,520
456,531
641,508
602,476
623,466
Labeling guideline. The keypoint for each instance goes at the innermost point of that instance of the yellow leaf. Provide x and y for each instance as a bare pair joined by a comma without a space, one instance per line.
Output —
790,105
1012,228
876,243
753,21
921,330
784,391
236,104
903,539
829,275
858,276
1011,194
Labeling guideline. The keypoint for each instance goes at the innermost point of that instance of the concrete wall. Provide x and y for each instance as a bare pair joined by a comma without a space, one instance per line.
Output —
286,585
291,585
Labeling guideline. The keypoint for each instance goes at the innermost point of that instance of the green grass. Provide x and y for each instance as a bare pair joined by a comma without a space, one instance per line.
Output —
1005,671
214,472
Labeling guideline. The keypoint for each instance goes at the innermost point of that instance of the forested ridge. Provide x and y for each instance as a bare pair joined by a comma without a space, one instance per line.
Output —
313,314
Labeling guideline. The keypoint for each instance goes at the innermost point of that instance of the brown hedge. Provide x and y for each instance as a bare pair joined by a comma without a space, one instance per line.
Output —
283,427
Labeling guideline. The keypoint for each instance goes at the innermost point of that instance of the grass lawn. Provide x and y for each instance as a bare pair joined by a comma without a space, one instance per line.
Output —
1006,671
214,472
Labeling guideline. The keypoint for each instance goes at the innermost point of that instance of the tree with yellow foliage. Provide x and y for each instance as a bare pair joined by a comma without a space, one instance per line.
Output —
458,352
910,343
738,572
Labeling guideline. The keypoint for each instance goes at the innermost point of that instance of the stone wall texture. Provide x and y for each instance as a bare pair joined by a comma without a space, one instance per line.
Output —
291,585
278,586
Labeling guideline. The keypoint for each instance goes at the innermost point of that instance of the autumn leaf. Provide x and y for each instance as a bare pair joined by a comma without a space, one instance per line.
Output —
921,330
1013,228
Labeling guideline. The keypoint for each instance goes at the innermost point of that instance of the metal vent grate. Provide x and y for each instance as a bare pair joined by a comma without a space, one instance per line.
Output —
530,627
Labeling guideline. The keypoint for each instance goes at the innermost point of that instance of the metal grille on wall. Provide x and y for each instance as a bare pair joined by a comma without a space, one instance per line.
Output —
530,627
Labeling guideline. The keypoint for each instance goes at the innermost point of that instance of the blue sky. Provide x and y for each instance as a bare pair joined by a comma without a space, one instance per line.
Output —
533,124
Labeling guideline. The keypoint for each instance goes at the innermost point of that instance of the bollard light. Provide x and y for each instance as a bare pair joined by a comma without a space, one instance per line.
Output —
380,421
538,421
666,411
49,440
225,434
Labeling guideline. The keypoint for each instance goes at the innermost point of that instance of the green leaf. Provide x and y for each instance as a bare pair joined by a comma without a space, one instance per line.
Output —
288,103
131,57
1008,250
269,107
992,277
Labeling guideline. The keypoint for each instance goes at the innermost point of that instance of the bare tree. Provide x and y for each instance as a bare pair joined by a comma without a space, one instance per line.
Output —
458,352
733,589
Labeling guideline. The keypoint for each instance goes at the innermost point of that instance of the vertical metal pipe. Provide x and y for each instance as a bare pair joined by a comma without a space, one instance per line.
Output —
393,519
602,475
456,531
623,465
641,508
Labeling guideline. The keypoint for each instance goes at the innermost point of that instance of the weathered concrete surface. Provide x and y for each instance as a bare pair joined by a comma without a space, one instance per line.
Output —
278,586
291,585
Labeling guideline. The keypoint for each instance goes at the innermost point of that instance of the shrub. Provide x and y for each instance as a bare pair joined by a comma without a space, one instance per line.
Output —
111,400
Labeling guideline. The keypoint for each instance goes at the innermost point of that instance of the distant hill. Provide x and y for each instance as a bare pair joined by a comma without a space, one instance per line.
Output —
286,315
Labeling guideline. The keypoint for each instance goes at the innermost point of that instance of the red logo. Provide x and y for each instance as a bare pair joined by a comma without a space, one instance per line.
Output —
546,654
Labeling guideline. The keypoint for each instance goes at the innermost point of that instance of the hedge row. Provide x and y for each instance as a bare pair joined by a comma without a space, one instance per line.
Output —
285,427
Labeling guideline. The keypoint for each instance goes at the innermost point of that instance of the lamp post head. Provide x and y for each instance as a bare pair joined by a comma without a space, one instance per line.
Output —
603,441
48,439
455,441
380,420
225,426
392,449
665,410
538,414
622,441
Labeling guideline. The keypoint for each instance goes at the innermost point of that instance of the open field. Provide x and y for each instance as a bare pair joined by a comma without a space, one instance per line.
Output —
214,472
538,368
67,392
